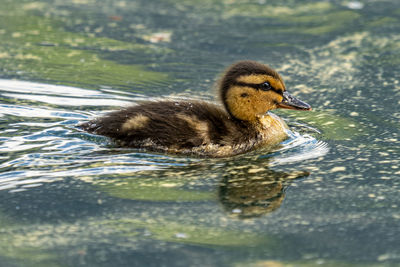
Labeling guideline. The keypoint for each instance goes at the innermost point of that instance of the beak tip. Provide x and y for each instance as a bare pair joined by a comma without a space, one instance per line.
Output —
291,102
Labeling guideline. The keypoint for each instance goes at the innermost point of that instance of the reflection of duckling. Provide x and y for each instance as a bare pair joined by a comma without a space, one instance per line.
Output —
247,195
248,91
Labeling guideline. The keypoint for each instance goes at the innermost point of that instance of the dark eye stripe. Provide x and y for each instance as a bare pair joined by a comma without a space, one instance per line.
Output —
258,86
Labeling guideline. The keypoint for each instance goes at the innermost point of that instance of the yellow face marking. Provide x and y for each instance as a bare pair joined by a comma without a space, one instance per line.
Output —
246,103
201,127
134,123
262,78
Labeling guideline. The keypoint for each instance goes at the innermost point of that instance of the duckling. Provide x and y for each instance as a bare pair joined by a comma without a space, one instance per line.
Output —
248,91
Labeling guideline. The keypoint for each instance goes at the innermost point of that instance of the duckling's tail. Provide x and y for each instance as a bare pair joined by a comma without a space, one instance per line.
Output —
90,126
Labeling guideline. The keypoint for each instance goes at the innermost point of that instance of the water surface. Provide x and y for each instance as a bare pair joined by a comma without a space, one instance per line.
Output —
328,195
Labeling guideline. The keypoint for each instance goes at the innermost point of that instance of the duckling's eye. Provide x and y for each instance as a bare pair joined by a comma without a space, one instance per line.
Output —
266,86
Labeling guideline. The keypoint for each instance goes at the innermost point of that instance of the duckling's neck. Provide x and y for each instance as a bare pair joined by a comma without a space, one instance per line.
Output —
262,122
267,120
271,127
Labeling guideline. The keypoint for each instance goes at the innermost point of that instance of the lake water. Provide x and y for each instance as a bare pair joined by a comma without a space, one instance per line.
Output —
329,195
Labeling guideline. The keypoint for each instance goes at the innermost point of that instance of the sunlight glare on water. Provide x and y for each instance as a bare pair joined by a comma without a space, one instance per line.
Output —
59,95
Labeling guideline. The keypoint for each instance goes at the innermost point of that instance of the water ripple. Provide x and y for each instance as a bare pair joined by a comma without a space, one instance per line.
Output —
299,148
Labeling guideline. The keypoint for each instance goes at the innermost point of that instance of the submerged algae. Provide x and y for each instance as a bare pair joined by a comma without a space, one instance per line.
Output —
40,48
332,126
153,190
22,254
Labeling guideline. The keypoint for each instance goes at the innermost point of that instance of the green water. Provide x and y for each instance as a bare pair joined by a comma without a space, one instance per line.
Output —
328,196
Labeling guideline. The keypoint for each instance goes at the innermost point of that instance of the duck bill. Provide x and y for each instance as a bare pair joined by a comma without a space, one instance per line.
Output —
290,102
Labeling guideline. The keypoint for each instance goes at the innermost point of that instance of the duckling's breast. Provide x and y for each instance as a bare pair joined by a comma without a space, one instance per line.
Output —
270,131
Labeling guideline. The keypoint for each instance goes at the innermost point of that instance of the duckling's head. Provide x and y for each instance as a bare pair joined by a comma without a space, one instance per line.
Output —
250,89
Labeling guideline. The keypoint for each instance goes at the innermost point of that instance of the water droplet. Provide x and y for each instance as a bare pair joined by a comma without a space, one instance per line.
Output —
355,5
236,211
180,235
